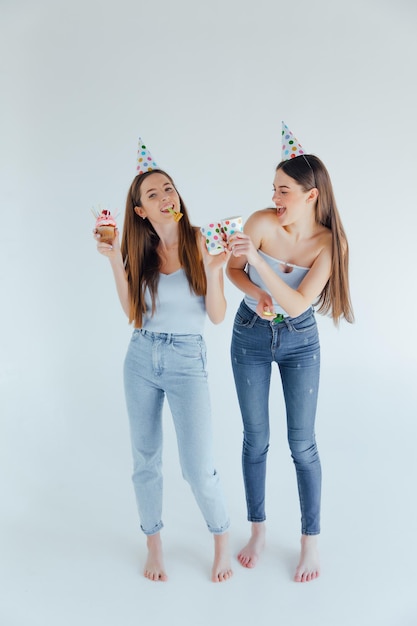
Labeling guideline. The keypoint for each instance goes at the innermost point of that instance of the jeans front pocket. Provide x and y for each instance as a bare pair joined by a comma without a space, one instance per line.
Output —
190,354
245,317
305,324
187,349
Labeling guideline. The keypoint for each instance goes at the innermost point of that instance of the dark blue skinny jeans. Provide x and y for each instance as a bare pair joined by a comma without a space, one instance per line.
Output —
294,345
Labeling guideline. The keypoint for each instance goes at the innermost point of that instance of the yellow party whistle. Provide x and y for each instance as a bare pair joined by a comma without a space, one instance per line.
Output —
175,215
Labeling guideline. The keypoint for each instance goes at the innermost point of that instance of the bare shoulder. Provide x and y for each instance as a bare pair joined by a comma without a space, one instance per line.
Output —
260,220
325,236
323,242
263,215
258,225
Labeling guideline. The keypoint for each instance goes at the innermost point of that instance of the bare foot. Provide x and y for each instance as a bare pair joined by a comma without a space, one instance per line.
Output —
154,567
308,568
249,555
221,565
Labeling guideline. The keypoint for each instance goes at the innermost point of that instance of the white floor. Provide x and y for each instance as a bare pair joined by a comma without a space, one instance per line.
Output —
71,552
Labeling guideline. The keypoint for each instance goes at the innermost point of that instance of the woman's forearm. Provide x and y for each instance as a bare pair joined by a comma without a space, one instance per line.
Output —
293,301
215,301
122,287
242,281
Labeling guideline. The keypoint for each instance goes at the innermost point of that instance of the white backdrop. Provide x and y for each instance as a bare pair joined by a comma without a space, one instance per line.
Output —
206,85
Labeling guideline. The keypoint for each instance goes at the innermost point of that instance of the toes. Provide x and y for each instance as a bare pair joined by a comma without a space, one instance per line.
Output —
155,576
222,576
225,575
246,561
305,577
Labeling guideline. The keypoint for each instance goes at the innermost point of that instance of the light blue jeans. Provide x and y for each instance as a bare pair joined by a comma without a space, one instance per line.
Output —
294,345
159,364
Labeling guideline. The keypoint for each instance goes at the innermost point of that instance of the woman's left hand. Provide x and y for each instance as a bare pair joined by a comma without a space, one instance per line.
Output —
241,244
213,261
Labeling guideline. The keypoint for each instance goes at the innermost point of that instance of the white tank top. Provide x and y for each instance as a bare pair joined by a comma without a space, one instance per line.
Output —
292,278
178,309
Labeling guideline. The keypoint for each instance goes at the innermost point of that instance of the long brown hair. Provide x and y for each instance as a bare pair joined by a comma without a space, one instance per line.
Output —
309,172
140,252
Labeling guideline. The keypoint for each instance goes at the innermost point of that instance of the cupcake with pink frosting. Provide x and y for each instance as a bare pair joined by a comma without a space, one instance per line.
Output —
105,225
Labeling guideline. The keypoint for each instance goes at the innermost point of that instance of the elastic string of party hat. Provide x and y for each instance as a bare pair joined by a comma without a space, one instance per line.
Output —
312,171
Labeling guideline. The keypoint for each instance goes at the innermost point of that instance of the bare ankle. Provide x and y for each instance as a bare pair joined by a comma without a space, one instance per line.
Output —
153,541
249,555
258,528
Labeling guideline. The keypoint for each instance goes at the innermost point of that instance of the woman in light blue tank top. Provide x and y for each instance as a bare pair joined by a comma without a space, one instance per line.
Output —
288,259
167,283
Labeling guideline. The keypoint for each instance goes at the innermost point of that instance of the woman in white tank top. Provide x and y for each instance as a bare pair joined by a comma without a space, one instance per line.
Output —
167,282
288,259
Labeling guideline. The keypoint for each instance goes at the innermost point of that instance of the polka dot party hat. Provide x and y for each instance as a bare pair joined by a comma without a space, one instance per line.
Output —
291,147
145,162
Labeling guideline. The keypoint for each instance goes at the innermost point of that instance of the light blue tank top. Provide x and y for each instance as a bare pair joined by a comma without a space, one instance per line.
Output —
178,309
292,278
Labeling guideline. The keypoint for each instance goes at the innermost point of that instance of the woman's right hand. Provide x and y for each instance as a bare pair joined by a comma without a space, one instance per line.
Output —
265,304
112,250
242,245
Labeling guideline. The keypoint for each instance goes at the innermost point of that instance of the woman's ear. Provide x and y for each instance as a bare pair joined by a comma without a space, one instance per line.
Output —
313,194
140,211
